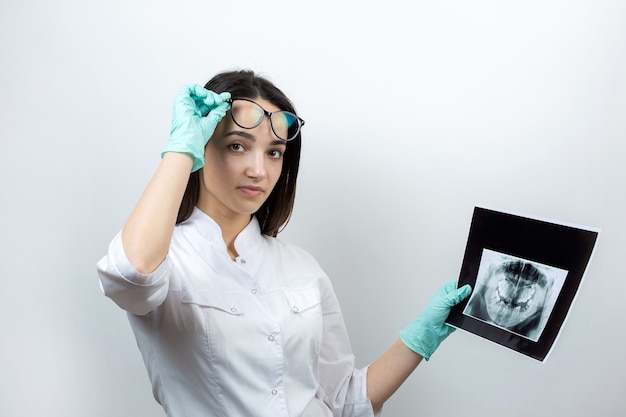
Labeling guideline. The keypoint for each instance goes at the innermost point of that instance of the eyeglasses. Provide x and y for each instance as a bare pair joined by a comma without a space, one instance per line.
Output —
248,114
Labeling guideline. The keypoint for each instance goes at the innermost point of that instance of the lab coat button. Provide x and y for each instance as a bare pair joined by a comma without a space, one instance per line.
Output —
253,291
270,338
274,392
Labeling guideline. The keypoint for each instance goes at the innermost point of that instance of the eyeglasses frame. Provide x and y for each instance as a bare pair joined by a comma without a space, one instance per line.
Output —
267,114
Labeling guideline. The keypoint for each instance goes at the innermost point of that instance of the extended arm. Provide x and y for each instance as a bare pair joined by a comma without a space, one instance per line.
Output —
418,341
386,375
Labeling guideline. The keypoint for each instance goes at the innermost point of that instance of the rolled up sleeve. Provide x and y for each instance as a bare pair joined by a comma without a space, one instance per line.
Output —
134,292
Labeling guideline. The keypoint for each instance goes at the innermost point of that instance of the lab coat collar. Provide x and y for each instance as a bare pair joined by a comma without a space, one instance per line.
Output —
208,228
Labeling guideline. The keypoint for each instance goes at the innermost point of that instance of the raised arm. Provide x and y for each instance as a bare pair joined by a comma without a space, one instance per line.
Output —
148,231
418,341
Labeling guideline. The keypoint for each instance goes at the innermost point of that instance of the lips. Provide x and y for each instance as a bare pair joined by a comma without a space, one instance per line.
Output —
251,191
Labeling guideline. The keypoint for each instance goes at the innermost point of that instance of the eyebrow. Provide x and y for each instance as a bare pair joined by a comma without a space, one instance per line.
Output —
252,138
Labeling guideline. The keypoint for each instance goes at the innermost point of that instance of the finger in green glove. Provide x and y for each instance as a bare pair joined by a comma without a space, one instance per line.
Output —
425,334
196,113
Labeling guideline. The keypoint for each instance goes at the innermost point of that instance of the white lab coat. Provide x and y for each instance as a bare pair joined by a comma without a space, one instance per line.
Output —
262,336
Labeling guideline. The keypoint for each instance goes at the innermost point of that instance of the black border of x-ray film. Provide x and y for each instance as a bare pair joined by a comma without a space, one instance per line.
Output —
553,244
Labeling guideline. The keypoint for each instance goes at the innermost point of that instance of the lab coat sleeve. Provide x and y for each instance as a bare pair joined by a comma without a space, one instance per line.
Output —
342,387
134,292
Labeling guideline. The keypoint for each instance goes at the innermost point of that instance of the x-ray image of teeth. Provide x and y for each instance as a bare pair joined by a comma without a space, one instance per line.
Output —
515,294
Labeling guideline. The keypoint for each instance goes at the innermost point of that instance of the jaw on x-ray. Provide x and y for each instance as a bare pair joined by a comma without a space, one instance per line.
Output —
512,295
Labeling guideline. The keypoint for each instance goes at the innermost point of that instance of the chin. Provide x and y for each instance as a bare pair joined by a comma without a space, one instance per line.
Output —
245,209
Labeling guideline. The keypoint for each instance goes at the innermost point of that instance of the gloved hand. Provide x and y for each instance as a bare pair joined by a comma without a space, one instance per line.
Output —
197,111
425,334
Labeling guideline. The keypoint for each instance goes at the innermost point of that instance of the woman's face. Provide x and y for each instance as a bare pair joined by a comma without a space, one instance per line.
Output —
241,167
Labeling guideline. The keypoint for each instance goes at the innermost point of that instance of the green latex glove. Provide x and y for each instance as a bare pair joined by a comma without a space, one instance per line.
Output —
425,334
197,111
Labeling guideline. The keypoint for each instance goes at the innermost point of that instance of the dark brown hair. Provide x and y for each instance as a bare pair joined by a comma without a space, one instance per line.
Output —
275,212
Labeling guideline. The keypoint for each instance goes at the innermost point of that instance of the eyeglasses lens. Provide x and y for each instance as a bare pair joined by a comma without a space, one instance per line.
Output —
285,125
248,115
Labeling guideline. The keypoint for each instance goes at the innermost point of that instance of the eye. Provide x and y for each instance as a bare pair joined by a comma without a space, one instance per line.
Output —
236,147
276,153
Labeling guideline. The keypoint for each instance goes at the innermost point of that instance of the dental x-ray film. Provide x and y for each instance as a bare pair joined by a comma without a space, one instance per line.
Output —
525,274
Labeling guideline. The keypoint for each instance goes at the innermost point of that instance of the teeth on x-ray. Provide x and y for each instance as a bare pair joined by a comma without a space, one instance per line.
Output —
514,294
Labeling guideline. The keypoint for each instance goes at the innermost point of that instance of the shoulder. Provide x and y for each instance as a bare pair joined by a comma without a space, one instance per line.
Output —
290,253
294,261
199,228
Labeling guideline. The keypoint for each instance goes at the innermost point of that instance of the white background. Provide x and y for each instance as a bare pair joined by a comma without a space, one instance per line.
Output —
416,112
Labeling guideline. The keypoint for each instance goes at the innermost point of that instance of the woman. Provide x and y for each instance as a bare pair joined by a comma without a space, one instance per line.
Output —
230,320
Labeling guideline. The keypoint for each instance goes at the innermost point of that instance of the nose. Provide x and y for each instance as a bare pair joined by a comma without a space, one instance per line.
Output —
256,165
